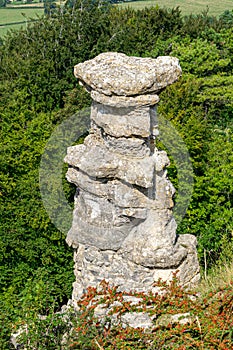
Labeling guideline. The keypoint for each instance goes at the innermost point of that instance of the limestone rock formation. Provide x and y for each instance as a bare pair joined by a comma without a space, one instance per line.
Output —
123,229
117,74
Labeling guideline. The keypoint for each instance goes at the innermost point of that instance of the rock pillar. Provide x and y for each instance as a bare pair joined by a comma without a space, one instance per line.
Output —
123,230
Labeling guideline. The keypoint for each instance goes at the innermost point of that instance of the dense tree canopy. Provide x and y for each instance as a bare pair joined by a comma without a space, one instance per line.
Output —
38,91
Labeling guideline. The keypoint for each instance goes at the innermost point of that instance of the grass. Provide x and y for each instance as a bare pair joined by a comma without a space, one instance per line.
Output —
220,275
18,15
15,15
216,7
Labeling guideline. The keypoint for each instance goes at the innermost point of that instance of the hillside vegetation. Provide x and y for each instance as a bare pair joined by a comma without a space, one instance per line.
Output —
21,12
214,7
39,91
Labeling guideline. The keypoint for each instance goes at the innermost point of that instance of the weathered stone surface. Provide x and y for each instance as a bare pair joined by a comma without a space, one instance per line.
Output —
97,161
122,121
133,147
125,101
101,223
136,320
123,230
189,271
132,319
92,265
112,73
123,194
154,245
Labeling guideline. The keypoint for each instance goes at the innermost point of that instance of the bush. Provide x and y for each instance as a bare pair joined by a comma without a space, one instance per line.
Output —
206,323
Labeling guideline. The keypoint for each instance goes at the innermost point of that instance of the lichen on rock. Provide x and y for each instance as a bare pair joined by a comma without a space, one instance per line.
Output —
112,73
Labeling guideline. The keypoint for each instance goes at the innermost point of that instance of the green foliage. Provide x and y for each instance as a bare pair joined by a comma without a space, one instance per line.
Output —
214,192
196,25
200,57
227,18
2,3
37,63
36,78
45,332
200,106
210,147
49,7
135,32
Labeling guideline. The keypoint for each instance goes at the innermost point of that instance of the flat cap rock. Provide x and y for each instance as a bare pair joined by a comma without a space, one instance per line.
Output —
112,73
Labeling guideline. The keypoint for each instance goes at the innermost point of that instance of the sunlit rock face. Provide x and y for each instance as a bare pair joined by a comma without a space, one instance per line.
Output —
123,227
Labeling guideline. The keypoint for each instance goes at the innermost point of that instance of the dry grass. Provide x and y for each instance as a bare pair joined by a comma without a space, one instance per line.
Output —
219,277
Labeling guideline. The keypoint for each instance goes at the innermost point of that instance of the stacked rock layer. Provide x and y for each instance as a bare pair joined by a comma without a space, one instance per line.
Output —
123,230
